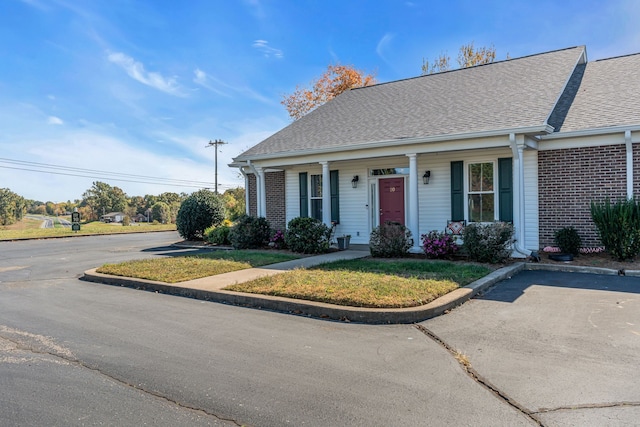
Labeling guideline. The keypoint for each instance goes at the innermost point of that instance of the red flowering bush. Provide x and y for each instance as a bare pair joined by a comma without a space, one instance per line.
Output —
437,244
277,240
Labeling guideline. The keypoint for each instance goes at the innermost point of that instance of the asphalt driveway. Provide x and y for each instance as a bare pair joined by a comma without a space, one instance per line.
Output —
563,347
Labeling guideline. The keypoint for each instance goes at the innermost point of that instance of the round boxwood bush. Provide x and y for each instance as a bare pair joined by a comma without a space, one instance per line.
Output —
218,235
568,240
198,212
390,240
307,236
491,243
250,232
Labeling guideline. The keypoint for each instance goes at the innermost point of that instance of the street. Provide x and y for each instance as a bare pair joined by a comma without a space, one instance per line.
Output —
79,353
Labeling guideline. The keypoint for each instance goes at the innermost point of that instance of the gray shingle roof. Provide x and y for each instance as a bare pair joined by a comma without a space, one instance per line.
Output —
606,96
512,94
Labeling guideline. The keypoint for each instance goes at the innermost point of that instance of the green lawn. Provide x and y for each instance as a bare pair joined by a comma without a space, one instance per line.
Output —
369,282
183,268
30,229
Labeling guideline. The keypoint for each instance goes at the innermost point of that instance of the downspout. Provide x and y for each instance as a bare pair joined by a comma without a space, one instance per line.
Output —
517,150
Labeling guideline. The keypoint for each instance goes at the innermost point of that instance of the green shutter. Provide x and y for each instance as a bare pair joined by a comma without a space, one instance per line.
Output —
335,199
304,198
457,191
505,189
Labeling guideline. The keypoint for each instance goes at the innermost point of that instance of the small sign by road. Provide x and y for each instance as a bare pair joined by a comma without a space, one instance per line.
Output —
75,216
75,226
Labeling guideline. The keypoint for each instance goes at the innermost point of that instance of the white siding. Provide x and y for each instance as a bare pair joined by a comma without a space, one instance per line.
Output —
434,198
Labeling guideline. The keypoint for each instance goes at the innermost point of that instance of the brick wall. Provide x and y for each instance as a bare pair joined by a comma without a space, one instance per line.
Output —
275,185
570,178
253,204
276,214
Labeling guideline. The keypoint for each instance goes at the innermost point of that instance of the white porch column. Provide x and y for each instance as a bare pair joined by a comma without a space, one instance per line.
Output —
261,190
413,217
326,194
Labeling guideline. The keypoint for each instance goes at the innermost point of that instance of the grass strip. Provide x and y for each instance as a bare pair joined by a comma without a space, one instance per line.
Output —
30,229
369,282
183,268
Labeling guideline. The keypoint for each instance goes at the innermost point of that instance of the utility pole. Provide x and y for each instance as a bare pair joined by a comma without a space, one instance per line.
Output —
215,144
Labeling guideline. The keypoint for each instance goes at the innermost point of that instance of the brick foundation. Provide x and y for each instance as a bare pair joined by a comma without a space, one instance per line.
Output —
569,179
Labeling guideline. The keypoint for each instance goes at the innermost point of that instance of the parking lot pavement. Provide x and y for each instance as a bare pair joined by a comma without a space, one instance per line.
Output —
564,346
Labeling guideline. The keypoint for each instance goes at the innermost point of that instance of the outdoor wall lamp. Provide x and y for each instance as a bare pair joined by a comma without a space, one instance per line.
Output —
354,181
425,177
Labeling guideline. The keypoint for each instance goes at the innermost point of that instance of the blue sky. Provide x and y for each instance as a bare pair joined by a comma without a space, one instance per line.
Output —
139,87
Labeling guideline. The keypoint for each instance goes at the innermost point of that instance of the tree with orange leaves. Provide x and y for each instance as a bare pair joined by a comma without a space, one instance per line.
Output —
334,81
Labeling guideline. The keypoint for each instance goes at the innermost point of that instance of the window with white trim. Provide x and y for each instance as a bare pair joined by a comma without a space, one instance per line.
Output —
481,192
315,197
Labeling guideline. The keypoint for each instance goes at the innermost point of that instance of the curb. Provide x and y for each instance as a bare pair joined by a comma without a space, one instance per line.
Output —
344,313
318,309
581,269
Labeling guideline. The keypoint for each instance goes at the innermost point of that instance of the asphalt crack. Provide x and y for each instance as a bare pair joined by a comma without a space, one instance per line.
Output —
464,362
588,406
45,346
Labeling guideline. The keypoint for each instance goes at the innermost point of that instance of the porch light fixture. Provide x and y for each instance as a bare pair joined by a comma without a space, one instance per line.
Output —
425,177
354,181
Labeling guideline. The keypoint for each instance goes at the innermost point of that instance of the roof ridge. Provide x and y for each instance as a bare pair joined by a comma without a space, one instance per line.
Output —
617,57
473,66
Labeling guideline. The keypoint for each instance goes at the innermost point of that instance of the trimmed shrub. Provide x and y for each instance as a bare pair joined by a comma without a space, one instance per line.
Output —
126,221
488,242
250,232
307,236
218,235
390,240
568,240
198,212
438,244
618,226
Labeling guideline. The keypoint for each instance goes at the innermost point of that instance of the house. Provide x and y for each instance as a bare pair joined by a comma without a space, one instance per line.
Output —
530,140
113,217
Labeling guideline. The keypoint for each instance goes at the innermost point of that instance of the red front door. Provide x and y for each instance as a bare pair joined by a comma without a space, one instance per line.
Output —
391,196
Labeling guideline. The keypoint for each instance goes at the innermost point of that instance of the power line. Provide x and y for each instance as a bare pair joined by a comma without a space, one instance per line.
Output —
176,182
109,178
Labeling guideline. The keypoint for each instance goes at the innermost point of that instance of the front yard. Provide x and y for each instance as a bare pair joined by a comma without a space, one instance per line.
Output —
369,282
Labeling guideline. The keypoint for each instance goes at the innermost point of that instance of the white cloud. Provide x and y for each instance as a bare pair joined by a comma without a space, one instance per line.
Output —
267,51
383,45
216,85
136,71
203,79
53,120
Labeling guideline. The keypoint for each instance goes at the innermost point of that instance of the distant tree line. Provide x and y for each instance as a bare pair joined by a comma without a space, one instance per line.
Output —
103,198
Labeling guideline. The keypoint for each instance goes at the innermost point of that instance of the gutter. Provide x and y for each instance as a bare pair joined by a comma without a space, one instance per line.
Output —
543,129
590,132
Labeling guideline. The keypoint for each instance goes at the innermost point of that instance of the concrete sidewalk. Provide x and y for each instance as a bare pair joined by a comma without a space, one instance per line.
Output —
211,289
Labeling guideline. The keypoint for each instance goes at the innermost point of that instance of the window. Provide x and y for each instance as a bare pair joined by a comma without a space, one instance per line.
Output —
316,197
311,195
481,189
481,193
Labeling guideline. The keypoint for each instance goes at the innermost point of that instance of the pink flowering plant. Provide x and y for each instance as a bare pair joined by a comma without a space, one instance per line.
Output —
277,240
437,244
